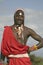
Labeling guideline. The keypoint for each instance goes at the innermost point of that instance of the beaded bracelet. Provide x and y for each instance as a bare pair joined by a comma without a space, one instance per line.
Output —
35,47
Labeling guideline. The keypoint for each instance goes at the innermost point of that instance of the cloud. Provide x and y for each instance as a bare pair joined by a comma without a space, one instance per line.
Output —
34,19
1,1
33,14
5,20
33,26
1,26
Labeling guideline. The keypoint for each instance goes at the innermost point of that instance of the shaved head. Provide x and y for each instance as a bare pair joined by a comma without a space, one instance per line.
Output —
19,17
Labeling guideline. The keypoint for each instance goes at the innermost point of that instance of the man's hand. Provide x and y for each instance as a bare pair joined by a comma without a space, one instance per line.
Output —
33,48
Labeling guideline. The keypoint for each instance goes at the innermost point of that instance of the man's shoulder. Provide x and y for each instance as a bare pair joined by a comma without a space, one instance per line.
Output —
6,28
27,28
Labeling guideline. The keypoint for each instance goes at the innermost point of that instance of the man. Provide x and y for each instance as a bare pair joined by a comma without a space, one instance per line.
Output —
14,41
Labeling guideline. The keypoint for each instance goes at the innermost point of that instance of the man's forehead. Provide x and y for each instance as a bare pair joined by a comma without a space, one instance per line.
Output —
19,12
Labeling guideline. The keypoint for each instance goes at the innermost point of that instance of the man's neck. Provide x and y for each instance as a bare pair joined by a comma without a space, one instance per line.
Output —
18,25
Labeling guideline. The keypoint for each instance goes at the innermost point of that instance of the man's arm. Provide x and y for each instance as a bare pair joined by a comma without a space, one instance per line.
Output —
34,35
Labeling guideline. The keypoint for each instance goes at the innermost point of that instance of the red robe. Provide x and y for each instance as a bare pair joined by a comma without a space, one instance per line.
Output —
11,46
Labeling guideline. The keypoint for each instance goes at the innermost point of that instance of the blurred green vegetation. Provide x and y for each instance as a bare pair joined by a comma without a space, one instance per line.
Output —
36,60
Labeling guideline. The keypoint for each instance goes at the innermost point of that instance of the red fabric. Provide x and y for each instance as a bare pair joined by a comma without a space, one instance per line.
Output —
11,46
1,63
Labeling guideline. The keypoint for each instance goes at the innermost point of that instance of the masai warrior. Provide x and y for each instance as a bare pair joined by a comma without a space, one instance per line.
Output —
14,41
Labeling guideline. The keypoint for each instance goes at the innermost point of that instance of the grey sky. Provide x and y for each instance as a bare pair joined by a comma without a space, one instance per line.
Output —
33,15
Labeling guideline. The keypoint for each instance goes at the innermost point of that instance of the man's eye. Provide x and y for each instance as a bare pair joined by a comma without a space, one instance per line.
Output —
22,18
16,17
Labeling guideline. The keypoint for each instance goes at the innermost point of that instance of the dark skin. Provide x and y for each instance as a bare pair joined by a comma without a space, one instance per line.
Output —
25,33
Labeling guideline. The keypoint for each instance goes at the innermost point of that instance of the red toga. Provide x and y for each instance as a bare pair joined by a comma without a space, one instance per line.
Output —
11,46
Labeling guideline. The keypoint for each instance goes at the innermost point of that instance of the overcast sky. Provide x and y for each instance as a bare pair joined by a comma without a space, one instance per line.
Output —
33,10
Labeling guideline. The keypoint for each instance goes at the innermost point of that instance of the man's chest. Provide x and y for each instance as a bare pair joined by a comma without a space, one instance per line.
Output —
22,37
20,34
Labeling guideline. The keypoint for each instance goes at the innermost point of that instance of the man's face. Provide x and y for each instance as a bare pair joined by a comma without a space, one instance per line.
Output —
19,18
